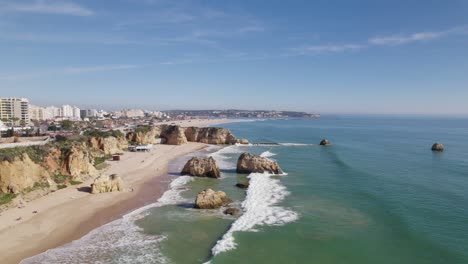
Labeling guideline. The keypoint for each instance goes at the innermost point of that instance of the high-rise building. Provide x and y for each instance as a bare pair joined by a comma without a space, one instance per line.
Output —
36,112
66,111
15,111
76,113
51,112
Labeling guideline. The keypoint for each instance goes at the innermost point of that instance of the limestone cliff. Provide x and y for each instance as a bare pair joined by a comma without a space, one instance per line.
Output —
103,184
212,135
21,173
110,145
145,135
174,135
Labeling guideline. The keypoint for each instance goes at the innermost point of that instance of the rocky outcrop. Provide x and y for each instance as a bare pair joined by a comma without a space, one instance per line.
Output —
324,142
110,145
174,135
242,185
20,174
232,211
438,147
78,162
103,184
202,167
209,199
242,141
147,135
212,135
248,163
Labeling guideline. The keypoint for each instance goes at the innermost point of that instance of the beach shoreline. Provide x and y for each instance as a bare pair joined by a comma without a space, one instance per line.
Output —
69,214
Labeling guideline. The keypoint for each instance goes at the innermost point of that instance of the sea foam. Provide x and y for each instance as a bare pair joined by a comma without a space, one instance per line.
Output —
120,241
259,208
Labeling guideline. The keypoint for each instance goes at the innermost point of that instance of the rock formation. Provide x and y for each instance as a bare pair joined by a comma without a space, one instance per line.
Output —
248,163
209,199
232,211
242,185
438,147
103,184
324,142
174,135
202,167
110,145
78,162
147,135
20,174
212,135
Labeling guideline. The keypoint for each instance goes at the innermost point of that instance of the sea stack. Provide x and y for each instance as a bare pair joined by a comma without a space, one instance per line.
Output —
103,184
324,142
202,167
209,199
437,147
248,163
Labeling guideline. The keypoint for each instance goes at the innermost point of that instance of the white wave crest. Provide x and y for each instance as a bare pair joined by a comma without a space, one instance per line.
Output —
224,161
267,154
259,209
120,241
295,144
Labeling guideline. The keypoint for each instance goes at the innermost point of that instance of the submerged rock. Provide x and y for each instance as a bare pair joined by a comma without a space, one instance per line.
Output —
232,211
209,199
103,184
248,163
324,142
242,185
202,167
437,147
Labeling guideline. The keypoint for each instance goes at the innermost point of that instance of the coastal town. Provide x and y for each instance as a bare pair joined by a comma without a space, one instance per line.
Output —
19,117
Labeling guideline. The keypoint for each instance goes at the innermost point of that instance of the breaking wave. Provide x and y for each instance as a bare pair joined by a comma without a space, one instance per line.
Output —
120,241
259,208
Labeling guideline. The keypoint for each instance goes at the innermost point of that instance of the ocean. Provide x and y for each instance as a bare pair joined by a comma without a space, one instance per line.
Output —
377,194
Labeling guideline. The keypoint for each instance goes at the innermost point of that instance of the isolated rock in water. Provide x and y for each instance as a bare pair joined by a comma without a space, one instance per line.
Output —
209,199
210,135
437,147
174,135
202,167
248,163
242,185
242,141
232,211
103,184
324,142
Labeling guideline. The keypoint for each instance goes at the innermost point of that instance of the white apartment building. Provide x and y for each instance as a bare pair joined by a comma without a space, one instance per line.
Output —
14,108
37,112
51,112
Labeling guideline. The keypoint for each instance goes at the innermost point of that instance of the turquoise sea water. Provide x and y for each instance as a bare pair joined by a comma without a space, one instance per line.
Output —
378,194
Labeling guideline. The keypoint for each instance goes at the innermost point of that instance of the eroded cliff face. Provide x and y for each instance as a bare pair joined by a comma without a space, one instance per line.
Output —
110,145
210,135
21,173
145,136
174,135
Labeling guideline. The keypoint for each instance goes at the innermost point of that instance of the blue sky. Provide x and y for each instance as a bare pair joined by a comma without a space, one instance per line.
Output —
363,56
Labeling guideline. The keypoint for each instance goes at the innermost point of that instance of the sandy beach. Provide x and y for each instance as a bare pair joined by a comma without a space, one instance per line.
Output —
68,214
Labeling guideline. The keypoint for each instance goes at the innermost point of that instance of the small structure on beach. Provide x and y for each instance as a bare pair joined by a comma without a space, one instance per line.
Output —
141,148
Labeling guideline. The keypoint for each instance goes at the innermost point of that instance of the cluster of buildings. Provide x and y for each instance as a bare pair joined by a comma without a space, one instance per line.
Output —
18,112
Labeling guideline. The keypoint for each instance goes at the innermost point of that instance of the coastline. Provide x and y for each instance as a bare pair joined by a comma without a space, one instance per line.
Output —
69,214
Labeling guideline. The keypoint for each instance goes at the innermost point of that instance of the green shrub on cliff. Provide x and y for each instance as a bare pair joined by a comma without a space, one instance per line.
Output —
6,197
35,153
103,134
143,129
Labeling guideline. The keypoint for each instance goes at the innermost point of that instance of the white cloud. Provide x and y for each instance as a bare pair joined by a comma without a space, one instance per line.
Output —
48,7
317,49
391,40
